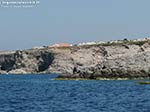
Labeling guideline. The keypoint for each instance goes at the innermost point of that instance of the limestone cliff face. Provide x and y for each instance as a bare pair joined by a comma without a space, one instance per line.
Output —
29,61
91,61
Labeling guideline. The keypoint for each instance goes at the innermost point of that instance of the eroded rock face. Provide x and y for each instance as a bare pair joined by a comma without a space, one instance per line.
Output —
7,62
115,61
30,61
118,61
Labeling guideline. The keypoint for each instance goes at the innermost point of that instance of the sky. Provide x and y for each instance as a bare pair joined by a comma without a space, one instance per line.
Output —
73,21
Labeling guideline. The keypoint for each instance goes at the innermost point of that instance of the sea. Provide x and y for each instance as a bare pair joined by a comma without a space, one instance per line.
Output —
41,93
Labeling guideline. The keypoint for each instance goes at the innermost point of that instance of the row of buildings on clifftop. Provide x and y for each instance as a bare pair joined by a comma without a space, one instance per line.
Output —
91,43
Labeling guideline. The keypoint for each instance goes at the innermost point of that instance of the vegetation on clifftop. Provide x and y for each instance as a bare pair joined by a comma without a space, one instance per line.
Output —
127,42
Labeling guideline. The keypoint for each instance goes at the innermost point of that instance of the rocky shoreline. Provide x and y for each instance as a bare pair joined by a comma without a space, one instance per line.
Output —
125,59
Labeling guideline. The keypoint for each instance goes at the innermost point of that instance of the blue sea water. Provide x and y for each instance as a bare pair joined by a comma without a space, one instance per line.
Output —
39,93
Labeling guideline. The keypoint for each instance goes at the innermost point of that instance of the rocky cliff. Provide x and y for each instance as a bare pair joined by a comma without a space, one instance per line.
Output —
119,60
